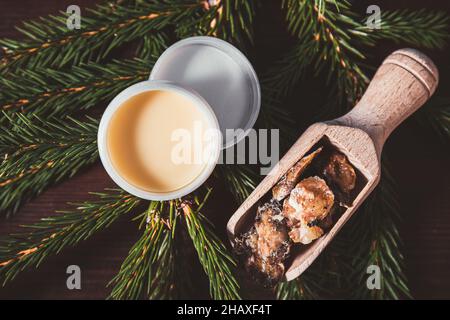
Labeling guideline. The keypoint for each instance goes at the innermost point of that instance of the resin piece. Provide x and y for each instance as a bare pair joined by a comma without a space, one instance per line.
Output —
309,203
340,172
288,181
305,234
266,274
266,245
327,223
271,230
310,200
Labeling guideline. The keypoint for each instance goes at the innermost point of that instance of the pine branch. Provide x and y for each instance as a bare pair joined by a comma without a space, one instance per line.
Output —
60,92
333,40
326,42
306,287
50,43
240,180
376,241
326,278
436,115
234,20
213,256
274,115
51,235
228,20
420,28
149,267
297,289
149,50
37,153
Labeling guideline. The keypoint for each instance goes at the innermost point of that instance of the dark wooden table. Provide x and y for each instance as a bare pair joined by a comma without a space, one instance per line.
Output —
420,165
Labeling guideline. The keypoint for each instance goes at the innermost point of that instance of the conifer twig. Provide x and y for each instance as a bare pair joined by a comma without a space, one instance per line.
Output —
228,20
149,268
36,153
421,28
333,39
295,290
378,245
216,262
240,180
49,236
56,92
50,43
436,115
149,50
326,42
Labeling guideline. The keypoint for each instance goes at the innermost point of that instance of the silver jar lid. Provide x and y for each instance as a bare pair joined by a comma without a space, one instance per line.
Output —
219,73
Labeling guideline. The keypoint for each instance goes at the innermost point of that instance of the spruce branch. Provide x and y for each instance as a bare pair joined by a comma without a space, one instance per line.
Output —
36,153
420,28
436,115
326,32
241,180
235,20
325,278
55,92
213,256
50,43
228,20
273,115
297,289
149,50
51,235
333,40
376,241
148,269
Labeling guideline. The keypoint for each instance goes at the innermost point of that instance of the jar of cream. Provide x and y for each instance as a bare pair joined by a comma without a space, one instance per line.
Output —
161,139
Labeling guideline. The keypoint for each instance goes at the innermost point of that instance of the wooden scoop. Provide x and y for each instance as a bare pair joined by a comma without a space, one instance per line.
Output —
403,83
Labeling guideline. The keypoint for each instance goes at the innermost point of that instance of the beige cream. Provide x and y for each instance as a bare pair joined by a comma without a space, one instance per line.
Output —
141,140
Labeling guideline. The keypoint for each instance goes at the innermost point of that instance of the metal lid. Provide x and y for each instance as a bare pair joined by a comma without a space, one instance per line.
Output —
221,74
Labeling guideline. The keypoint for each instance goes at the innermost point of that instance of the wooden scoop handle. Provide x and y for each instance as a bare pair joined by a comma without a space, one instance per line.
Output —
403,83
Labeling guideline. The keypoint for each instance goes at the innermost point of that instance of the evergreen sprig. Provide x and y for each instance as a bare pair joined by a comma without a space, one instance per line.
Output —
59,92
148,271
421,28
36,153
213,256
436,115
228,20
51,43
334,40
375,241
148,49
240,180
327,36
51,235
298,289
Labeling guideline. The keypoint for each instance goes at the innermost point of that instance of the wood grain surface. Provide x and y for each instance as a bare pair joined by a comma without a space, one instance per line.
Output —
419,161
